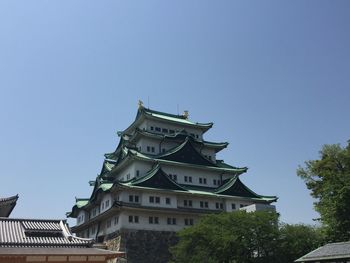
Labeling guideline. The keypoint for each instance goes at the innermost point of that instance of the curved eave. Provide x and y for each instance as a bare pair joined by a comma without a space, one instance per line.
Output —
144,113
237,171
196,193
80,203
235,180
203,126
156,177
218,146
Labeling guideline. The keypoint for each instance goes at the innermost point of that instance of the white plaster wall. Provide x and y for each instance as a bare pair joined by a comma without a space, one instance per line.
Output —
142,144
145,225
258,207
181,172
132,168
92,235
146,195
82,214
115,225
105,197
174,127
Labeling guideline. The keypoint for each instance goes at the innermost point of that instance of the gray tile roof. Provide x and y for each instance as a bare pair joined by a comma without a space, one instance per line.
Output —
25,251
329,251
38,233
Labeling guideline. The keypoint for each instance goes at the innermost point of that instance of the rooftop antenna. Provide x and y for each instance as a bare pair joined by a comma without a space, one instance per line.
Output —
177,108
148,101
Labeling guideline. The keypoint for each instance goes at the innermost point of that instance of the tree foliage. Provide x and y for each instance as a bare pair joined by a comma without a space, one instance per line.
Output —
242,237
297,240
329,181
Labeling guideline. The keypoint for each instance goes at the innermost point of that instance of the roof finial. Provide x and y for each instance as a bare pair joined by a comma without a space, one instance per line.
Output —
185,114
140,104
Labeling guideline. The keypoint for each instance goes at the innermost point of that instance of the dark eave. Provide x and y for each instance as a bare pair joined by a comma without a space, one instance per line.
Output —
155,178
186,153
235,187
178,137
144,113
7,205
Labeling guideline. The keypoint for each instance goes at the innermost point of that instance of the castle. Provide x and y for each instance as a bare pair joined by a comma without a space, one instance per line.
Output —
162,177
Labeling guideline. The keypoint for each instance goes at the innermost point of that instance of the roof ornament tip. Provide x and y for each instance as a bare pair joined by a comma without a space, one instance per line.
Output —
186,114
140,103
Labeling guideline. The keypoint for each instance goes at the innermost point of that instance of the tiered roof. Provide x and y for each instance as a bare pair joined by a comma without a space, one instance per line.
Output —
144,113
185,154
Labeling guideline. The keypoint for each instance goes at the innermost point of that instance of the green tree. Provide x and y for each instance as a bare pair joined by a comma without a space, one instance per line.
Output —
238,237
329,181
297,240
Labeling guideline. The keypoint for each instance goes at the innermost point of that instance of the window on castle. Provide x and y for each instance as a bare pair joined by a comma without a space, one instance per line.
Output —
214,181
188,221
158,129
188,203
190,179
200,180
204,204
107,204
133,219
148,148
165,130
108,223
103,206
186,178
204,180
233,206
116,219
152,128
154,199
163,150
153,220
167,200
219,205
133,198
197,136
128,177
137,173
171,221
152,149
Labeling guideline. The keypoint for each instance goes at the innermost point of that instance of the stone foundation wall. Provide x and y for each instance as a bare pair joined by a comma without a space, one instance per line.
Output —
143,246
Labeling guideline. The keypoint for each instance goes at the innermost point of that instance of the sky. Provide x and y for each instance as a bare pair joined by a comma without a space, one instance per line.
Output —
273,76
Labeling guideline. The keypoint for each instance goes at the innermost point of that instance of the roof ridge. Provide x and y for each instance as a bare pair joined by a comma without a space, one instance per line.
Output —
31,219
163,113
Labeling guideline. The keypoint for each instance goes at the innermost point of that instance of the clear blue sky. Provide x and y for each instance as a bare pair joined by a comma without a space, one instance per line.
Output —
273,76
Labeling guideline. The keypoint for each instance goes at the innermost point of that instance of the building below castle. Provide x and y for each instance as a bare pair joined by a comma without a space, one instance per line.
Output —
162,177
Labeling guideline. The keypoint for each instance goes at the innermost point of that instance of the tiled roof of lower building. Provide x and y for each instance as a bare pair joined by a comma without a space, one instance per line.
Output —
38,233
330,252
